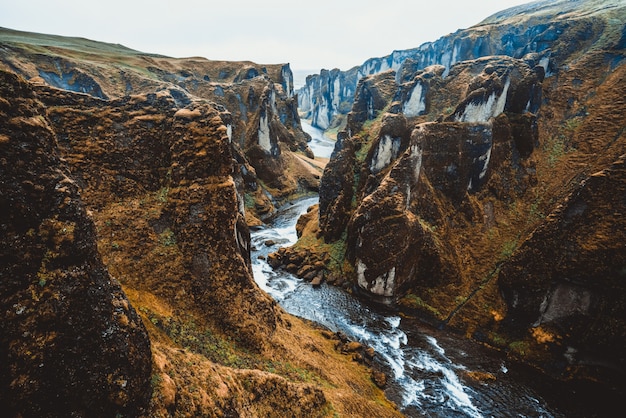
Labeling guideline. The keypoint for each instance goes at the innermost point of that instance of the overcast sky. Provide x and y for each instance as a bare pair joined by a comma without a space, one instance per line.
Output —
308,35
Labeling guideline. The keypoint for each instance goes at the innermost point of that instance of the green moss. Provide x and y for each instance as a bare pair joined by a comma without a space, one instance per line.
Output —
555,148
249,201
497,340
559,145
362,152
508,248
336,250
291,372
162,194
534,213
427,225
156,380
222,350
413,301
332,132
521,348
572,124
167,238
190,336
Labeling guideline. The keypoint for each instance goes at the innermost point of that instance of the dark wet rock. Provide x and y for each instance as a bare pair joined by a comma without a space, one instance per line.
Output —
372,95
404,176
337,189
571,270
188,162
379,378
317,280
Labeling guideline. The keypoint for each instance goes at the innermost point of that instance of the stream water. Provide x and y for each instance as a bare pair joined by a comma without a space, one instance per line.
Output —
428,369
319,144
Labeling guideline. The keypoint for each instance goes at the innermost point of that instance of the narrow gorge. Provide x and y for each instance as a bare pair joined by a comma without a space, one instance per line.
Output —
179,238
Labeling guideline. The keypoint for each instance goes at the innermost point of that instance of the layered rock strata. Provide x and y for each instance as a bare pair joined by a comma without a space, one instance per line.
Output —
264,126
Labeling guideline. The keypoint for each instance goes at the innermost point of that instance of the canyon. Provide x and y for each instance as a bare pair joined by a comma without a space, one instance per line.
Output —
127,287
476,185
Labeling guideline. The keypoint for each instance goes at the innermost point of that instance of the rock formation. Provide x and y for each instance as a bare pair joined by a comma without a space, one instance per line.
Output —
556,288
188,160
264,127
71,343
541,29
401,174
327,95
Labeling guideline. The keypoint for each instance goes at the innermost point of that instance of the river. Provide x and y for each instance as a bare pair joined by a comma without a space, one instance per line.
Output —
320,145
429,369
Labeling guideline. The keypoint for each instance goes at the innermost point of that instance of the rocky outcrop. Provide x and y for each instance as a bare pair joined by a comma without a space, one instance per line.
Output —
115,152
542,30
404,177
168,181
70,341
326,95
264,126
372,95
209,225
337,189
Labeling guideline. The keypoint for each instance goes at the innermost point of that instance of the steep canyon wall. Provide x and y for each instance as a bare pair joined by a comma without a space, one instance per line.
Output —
485,191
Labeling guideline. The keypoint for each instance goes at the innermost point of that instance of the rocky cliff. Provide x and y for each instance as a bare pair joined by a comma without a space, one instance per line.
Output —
486,192
71,342
153,188
326,95
541,28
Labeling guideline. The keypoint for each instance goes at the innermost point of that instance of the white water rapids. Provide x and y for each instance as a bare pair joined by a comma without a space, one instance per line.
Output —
426,377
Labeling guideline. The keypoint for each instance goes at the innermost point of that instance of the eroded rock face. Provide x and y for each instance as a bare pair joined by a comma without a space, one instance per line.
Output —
70,342
372,95
264,126
337,189
543,32
388,245
580,280
210,228
337,88
503,142
146,144
409,168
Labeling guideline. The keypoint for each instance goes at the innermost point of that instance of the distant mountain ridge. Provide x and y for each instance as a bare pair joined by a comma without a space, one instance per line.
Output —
534,28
